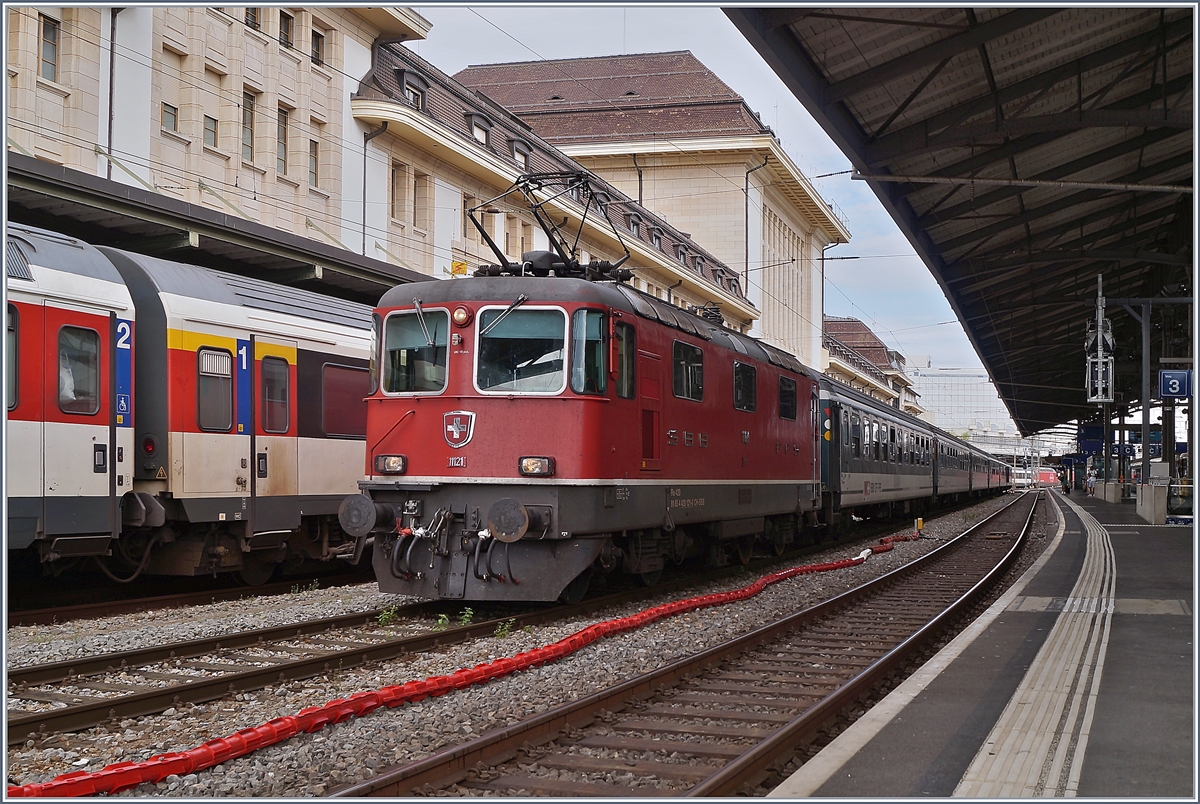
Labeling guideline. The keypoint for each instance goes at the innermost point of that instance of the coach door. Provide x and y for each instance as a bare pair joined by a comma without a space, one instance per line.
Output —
274,484
650,387
78,475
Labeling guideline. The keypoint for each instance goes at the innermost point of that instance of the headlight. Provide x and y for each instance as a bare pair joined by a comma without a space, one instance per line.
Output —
461,316
390,464
536,466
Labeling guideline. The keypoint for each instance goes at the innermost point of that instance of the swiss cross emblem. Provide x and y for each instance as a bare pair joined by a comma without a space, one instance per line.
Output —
458,426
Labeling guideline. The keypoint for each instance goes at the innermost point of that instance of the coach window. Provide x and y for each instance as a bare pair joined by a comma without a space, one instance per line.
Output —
522,351
689,371
745,387
875,441
844,435
414,352
214,387
343,410
589,372
787,398
10,379
855,437
78,370
274,395
626,359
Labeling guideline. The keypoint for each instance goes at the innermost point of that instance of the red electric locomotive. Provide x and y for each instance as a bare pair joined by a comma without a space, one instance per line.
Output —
525,430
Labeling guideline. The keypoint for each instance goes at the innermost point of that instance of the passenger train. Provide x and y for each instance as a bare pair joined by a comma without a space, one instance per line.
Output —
544,421
171,419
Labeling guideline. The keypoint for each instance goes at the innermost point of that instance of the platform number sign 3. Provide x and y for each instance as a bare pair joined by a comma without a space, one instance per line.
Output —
1174,384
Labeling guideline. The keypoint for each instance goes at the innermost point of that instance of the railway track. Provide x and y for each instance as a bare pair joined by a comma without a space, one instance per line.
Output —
715,723
80,693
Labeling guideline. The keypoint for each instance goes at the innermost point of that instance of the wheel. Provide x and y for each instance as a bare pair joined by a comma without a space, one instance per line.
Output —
651,577
778,542
745,549
576,589
255,571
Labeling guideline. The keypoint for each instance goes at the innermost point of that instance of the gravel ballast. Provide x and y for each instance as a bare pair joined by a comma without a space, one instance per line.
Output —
313,764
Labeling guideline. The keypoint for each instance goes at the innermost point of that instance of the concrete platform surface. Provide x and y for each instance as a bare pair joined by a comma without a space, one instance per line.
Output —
1079,681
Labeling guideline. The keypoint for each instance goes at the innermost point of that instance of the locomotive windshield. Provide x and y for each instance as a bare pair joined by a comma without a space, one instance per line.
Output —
411,363
523,352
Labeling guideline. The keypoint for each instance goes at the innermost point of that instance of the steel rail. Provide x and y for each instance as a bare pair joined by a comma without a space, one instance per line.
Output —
451,764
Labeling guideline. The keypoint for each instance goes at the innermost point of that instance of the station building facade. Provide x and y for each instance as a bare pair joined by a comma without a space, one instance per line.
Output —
316,122
667,131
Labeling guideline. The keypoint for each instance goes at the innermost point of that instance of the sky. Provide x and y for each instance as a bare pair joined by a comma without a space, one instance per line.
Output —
888,286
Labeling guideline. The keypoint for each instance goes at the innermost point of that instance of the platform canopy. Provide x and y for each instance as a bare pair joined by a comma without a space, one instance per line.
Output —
1023,152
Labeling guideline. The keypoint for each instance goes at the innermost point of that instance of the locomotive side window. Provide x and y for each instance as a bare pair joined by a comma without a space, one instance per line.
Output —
787,398
626,360
589,374
343,411
274,395
522,351
414,361
745,387
78,370
214,388
10,378
373,370
689,371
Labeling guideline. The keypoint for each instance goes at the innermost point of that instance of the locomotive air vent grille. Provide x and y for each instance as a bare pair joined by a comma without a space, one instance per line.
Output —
16,264
216,364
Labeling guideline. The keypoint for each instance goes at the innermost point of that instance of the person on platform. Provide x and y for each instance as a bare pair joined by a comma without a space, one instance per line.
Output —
1091,483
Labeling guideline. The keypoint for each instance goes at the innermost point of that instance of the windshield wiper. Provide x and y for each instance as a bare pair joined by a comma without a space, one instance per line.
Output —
520,300
421,321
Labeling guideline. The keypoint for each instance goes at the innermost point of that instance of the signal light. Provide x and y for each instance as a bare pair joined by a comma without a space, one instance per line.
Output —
149,446
390,464
534,467
461,316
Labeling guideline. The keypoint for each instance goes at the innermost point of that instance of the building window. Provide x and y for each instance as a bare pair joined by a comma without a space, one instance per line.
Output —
214,388
281,144
252,18
210,131
480,127
521,151
656,236
343,409
413,87
468,228
396,207
688,376
287,24
248,126
421,205
699,264
318,47
314,161
49,37
787,398
170,117
681,254
635,225
274,372
745,387
414,96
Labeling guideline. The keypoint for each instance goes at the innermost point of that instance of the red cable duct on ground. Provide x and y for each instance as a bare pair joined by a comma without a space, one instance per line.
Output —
124,775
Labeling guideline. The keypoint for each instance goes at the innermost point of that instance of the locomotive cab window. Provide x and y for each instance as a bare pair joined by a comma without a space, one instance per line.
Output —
745,387
589,372
10,344
688,377
787,398
78,370
414,352
521,351
626,359
274,395
214,389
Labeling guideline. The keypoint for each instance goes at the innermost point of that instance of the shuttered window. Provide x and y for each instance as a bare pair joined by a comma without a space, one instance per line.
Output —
214,389
211,100
172,67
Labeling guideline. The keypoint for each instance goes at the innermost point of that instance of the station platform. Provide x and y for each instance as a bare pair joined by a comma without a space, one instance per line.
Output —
1079,681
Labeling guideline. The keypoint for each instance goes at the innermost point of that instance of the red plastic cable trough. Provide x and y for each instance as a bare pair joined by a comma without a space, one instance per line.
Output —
124,775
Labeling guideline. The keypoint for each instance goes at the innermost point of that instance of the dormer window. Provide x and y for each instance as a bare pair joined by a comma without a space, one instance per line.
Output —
699,264
521,151
635,225
414,88
602,199
656,236
480,128
681,253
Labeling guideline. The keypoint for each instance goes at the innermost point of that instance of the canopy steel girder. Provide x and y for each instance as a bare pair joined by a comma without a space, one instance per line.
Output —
1018,279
